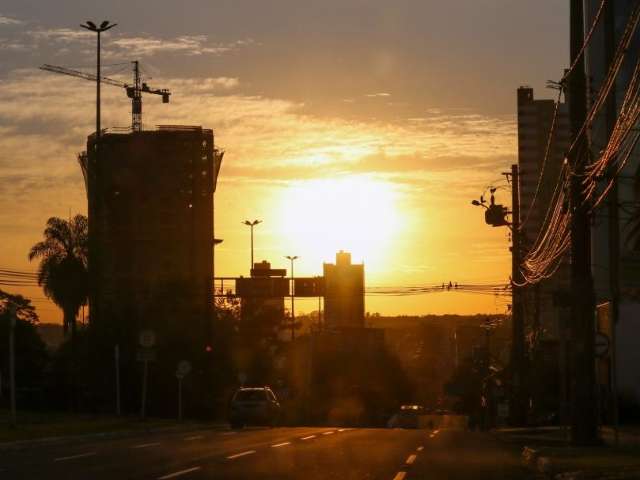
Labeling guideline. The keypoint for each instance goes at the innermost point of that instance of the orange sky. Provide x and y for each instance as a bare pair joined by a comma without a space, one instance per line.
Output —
379,152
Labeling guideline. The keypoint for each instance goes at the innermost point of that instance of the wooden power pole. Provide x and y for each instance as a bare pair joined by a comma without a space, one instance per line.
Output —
584,427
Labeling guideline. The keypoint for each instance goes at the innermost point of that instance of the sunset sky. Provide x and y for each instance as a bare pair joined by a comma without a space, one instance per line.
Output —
363,125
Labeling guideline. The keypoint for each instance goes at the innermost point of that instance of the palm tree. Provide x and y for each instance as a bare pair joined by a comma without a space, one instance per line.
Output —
62,272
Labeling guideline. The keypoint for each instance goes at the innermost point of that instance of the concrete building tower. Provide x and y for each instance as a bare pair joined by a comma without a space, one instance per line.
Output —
344,293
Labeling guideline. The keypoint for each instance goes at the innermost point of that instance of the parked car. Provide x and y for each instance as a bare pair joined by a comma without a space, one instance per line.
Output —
407,417
254,406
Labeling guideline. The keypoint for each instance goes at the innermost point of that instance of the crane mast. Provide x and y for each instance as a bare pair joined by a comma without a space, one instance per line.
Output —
134,91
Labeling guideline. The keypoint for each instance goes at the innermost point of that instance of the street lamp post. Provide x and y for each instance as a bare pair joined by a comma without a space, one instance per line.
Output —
293,309
251,225
92,27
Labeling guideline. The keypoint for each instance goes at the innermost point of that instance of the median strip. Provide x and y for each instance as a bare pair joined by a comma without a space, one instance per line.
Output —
241,454
73,457
181,472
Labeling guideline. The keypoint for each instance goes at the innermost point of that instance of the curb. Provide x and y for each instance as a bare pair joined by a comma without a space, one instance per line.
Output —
25,444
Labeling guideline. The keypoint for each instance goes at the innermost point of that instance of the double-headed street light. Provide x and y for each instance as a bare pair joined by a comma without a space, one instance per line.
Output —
104,26
293,310
251,225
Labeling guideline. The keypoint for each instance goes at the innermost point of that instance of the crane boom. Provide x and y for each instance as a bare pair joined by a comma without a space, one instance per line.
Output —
79,74
134,91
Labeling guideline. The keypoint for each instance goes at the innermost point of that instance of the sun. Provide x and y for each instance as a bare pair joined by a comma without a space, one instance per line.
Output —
353,213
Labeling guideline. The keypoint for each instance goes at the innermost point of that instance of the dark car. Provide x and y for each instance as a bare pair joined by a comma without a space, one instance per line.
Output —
254,406
407,417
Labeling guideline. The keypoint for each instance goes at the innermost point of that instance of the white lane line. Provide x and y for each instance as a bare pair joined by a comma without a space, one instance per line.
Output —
308,438
280,444
194,437
228,433
181,472
146,445
344,429
241,454
400,476
73,457
420,448
328,433
411,459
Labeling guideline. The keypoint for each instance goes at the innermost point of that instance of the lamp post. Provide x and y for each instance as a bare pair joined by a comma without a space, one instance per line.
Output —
92,27
293,310
251,225
12,361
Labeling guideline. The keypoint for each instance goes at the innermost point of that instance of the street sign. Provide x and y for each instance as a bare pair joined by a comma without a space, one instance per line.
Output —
602,344
147,338
184,367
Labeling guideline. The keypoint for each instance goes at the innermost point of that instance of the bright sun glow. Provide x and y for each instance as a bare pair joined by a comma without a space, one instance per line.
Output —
355,213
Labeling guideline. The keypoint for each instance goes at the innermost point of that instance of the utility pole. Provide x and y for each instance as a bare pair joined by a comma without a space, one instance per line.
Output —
584,424
12,363
614,220
518,358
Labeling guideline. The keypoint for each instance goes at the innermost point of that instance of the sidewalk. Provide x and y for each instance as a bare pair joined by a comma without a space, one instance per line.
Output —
51,427
547,451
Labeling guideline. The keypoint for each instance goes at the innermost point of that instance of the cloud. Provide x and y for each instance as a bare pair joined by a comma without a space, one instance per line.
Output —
377,95
5,20
185,44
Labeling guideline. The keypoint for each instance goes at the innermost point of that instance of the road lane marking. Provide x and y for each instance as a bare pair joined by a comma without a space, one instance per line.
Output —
328,433
73,457
308,438
181,472
241,454
194,437
280,444
411,459
344,429
400,476
146,445
228,433
420,448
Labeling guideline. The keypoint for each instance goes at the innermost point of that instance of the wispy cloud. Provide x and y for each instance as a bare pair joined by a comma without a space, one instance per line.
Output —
378,95
6,20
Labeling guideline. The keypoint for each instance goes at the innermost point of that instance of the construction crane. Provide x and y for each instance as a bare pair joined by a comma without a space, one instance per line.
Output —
134,91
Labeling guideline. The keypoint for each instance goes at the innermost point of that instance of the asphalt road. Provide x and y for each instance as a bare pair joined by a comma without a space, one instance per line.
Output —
278,453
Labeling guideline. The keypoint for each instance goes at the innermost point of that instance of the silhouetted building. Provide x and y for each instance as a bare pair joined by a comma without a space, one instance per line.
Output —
150,197
538,178
344,292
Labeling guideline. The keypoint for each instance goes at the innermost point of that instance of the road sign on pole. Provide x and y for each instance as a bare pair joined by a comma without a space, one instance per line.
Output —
147,338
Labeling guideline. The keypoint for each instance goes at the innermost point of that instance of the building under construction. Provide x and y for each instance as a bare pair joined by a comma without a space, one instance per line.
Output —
151,234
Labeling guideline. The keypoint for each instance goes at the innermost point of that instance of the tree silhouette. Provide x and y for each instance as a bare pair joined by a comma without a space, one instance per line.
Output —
62,272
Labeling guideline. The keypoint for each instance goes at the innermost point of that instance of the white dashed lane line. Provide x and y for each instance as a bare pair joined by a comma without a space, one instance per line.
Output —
411,459
400,476
328,433
241,454
420,448
308,438
194,437
228,433
181,472
280,444
146,445
73,457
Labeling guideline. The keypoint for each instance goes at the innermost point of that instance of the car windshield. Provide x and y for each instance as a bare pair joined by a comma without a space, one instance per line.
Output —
250,395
